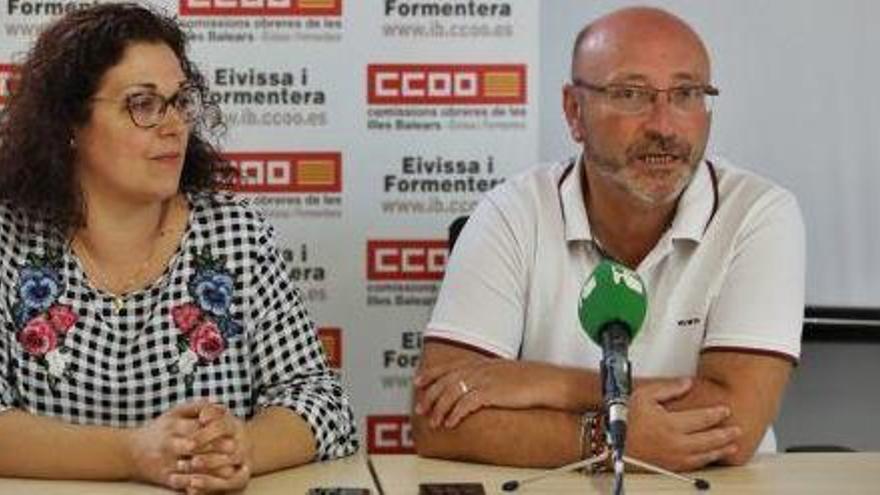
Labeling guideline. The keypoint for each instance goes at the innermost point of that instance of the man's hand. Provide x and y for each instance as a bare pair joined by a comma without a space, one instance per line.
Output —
156,447
222,455
678,441
448,392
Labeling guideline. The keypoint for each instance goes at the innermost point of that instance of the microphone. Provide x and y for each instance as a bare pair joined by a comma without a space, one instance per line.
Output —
611,310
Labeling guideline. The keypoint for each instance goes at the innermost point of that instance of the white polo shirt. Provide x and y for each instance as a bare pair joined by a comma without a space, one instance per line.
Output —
727,274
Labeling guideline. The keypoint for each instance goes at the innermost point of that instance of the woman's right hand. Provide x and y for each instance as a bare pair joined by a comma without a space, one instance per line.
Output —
156,448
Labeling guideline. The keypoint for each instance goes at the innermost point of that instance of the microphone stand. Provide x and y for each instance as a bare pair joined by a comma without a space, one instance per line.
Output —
617,460
513,485
617,487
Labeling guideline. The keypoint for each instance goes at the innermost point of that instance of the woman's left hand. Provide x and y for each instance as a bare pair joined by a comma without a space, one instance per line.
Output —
223,453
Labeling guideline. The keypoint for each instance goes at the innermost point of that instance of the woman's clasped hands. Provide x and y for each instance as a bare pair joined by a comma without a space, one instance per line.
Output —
197,447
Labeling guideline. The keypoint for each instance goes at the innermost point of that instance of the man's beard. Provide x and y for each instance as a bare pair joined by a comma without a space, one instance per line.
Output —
629,175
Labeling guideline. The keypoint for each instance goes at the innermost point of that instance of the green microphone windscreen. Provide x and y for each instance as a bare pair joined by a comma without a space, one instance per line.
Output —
612,292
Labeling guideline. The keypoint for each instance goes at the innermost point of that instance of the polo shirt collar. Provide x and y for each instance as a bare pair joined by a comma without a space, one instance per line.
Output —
696,206
571,199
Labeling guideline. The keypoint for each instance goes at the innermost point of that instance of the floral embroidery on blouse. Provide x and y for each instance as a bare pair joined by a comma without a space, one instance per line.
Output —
205,326
42,323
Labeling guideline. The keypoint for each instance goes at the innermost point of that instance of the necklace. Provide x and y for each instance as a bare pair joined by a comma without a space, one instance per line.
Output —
120,289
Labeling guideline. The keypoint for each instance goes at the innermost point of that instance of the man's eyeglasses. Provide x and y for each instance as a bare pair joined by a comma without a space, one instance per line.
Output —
147,109
635,99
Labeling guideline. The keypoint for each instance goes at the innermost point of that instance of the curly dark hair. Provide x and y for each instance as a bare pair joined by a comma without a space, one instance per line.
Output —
59,75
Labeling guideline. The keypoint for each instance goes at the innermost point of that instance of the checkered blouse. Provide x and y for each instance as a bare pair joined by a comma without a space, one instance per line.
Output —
223,322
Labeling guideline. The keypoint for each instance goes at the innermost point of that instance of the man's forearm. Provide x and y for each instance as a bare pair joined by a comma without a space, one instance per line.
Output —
751,384
574,389
707,393
534,438
521,413
39,447
703,393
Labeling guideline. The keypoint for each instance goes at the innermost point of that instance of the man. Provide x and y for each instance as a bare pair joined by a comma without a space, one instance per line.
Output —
507,374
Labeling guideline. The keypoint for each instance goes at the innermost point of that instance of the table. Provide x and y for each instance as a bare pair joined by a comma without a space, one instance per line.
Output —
776,474
349,472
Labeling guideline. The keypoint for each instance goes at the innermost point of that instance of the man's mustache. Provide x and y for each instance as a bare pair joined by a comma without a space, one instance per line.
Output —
660,145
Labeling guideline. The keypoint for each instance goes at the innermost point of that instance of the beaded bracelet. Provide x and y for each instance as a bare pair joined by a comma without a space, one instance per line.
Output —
586,433
592,437
598,442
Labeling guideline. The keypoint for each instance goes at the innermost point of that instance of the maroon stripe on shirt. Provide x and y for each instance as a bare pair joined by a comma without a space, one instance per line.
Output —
461,345
748,350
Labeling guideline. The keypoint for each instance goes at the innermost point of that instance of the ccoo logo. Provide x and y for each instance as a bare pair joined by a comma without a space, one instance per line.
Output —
406,259
284,172
446,84
389,434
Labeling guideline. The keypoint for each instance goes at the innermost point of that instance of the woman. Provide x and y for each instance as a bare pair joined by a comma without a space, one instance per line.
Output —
149,329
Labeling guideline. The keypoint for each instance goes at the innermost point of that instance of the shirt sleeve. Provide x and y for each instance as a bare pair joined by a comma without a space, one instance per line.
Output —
761,301
290,367
482,299
7,323
7,327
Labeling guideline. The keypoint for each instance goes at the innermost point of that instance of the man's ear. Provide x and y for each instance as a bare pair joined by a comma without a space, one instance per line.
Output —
572,108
